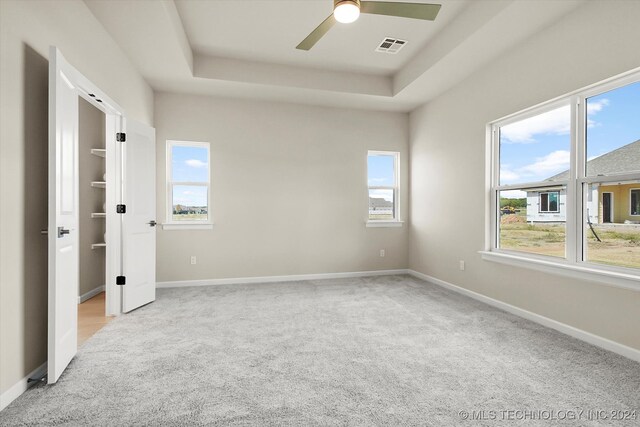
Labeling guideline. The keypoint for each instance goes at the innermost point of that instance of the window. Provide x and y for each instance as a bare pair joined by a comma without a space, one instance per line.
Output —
556,170
383,178
549,202
188,183
635,201
533,155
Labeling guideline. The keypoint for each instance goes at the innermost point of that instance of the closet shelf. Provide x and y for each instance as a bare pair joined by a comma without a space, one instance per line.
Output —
98,215
100,152
98,184
98,245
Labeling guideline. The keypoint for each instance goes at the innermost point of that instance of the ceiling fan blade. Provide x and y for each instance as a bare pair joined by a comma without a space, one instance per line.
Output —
406,10
317,34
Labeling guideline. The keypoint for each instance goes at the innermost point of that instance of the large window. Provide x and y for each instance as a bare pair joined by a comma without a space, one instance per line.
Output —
533,154
566,180
188,182
383,177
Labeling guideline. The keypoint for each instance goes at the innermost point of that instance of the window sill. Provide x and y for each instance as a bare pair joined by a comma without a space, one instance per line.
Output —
590,273
191,226
385,223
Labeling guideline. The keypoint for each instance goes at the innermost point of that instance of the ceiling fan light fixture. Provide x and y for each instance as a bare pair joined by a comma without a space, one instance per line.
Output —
346,11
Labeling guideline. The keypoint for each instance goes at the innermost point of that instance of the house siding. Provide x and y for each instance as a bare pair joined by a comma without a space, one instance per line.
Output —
533,207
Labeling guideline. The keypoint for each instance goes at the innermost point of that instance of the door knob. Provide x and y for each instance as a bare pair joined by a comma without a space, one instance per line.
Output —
152,223
62,231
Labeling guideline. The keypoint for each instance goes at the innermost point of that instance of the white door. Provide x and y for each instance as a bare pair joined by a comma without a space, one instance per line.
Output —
63,216
139,232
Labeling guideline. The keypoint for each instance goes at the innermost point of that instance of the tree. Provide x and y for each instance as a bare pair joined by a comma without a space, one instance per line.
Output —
516,203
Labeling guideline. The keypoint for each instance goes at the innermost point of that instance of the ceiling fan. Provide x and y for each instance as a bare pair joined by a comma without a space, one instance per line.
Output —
347,11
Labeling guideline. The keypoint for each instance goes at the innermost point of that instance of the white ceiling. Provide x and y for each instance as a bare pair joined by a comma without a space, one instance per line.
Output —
269,31
246,48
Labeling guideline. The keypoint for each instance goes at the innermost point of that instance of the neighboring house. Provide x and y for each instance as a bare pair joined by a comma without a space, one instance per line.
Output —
189,210
607,203
379,206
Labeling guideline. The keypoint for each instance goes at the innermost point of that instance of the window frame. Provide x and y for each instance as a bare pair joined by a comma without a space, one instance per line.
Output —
557,193
575,263
395,222
170,223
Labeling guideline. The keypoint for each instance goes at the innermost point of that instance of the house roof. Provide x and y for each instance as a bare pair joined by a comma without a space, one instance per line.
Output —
623,159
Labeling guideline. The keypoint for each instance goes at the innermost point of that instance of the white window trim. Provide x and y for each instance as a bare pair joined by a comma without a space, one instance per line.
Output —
630,190
573,265
396,221
384,223
169,224
588,272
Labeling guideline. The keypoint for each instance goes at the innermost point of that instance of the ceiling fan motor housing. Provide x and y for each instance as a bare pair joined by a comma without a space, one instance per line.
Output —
353,2
346,11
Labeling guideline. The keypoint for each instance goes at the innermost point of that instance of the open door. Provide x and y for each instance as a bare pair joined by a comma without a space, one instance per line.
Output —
138,223
63,216
131,236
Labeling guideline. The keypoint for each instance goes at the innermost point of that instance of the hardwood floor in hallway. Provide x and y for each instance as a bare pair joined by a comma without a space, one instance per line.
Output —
91,317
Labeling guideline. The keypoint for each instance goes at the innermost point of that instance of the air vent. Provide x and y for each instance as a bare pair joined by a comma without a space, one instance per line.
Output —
391,45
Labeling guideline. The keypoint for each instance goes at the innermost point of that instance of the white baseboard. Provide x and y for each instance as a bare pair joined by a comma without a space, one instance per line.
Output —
588,337
92,293
21,386
272,279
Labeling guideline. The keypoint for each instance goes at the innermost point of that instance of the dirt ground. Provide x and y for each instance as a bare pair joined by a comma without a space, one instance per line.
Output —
619,246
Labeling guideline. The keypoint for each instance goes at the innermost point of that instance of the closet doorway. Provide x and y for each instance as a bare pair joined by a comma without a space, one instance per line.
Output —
92,310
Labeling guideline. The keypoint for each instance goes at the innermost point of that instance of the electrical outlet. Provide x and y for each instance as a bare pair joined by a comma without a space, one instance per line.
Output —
382,253
193,260
461,265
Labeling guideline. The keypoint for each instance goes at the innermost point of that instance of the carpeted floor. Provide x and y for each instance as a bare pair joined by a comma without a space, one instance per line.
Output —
369,351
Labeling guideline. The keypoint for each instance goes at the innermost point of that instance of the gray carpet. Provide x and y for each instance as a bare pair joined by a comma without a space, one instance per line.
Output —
370,351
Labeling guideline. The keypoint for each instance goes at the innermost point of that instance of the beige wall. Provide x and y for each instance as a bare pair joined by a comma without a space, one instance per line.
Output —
91,135
448,147
289,189
621,198
27,29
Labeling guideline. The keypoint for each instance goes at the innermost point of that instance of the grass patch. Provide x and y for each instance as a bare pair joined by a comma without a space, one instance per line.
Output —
619,247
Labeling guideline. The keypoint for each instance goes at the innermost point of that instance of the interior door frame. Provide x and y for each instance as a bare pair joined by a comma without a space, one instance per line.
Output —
114,122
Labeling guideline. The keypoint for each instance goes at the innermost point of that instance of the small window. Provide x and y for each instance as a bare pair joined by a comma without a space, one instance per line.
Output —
188,182
549,202
635,201
382,168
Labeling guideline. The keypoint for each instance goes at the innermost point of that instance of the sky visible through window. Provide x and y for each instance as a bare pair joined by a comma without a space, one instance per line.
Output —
538,148
189,164
381,174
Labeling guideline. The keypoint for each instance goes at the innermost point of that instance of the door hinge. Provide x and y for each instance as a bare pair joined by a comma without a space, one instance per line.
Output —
121,209
121,280
121,136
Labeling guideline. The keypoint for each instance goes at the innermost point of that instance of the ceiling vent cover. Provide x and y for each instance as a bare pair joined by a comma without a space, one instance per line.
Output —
391,45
